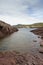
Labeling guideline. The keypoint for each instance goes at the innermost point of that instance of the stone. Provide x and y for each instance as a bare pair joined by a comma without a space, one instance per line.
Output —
6,29
41,43
41,50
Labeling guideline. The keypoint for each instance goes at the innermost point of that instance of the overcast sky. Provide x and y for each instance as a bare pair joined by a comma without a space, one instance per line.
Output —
21,11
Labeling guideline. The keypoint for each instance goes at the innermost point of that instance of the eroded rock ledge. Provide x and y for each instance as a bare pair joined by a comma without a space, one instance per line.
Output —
6,29
38,31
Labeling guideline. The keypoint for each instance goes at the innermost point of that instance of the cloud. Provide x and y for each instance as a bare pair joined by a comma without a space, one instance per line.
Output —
16,6
22,11
19,20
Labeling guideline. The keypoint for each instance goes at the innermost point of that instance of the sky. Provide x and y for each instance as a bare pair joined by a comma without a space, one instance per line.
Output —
21,11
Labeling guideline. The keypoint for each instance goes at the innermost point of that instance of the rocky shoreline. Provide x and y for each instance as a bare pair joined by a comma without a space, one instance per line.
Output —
6,29
16,58
39,31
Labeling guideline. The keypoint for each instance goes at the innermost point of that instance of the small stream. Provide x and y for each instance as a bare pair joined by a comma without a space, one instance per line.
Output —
22,41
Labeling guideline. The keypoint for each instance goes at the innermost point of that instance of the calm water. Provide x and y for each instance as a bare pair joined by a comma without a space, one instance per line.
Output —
23,41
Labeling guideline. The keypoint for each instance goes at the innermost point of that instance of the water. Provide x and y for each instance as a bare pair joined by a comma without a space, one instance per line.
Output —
22,41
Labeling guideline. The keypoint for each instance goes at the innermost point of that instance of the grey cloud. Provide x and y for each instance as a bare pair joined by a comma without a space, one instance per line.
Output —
15,7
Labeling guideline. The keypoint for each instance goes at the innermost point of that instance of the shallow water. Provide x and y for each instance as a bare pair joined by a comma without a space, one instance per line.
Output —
22,41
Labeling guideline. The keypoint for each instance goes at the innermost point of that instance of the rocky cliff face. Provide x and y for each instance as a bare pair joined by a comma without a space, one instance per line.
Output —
6,29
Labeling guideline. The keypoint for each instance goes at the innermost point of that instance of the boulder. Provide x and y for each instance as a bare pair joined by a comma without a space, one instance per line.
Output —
41,43
34,40
41,50
6,29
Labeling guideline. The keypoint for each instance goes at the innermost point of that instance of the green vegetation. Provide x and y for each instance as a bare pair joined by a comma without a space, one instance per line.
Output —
37,25
30,26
